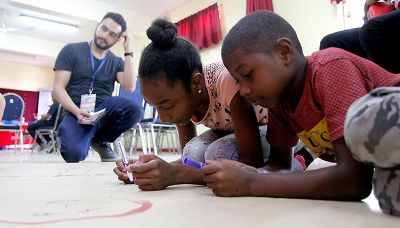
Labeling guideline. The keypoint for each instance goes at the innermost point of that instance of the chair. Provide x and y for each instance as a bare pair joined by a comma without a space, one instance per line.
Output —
380,8
136,97
52,132
160,131
13,119
151,131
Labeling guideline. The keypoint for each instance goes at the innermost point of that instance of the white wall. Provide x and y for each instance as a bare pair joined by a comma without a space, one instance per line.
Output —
138,44
312,19
352,13
25,77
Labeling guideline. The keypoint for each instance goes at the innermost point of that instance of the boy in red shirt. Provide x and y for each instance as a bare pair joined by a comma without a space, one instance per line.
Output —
307,98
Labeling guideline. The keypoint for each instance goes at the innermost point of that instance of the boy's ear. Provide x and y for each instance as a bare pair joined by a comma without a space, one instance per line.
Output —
197,81
285,51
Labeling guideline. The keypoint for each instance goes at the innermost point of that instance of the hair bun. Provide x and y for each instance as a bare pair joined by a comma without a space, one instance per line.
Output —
162,32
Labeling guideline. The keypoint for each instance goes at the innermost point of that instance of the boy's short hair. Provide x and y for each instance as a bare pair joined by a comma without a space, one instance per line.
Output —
258,32
117,18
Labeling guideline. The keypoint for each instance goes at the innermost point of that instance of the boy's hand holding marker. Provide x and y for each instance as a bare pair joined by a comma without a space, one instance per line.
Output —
224,177
228,177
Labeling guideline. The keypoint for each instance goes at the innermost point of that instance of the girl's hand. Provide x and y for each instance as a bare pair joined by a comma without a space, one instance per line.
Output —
152,173
120,171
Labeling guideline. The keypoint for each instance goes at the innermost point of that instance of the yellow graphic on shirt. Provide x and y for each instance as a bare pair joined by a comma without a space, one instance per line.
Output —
317,139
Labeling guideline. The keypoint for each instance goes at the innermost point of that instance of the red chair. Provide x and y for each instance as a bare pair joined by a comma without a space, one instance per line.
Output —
379,8
13,120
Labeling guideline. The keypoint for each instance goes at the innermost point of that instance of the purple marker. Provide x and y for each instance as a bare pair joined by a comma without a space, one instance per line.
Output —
194,163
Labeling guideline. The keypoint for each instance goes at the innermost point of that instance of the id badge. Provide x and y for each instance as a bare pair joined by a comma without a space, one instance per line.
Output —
88,102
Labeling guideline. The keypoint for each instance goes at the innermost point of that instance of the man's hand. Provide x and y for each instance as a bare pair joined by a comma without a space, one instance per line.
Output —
81,115
126,41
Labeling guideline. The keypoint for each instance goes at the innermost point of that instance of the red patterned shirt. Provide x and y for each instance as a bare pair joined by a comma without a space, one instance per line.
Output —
334,80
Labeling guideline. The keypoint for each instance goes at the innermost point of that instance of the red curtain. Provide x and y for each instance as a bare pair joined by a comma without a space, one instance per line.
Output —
31,100
203,28
254,5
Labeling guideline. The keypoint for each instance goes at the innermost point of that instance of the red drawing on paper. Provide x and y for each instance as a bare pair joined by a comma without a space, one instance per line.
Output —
77,210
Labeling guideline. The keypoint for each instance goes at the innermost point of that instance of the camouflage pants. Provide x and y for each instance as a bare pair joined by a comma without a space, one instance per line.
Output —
372,133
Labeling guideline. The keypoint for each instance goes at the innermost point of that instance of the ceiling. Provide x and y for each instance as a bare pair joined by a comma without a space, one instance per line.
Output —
83,13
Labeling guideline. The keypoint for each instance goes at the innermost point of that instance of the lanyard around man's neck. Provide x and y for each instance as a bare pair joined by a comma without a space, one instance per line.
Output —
92,64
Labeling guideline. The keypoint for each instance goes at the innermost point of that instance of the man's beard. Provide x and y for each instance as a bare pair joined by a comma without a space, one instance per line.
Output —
106,47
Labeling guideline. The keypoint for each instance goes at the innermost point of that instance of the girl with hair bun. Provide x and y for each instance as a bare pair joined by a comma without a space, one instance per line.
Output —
173,79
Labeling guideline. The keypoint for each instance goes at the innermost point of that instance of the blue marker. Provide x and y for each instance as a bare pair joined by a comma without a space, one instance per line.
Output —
194,163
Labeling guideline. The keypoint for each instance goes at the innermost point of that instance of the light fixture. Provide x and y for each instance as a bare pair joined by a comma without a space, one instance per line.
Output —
47,24
4,15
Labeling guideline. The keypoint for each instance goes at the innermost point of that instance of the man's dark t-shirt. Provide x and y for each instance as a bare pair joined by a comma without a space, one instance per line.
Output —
76,59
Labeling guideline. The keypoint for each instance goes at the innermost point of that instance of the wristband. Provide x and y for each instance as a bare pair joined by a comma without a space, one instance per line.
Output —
128,53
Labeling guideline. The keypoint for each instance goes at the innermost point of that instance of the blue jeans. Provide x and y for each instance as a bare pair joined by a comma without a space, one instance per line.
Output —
121,115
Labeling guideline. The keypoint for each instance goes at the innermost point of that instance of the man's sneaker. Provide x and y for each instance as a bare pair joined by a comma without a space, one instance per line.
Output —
105,151
36,148
46,147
